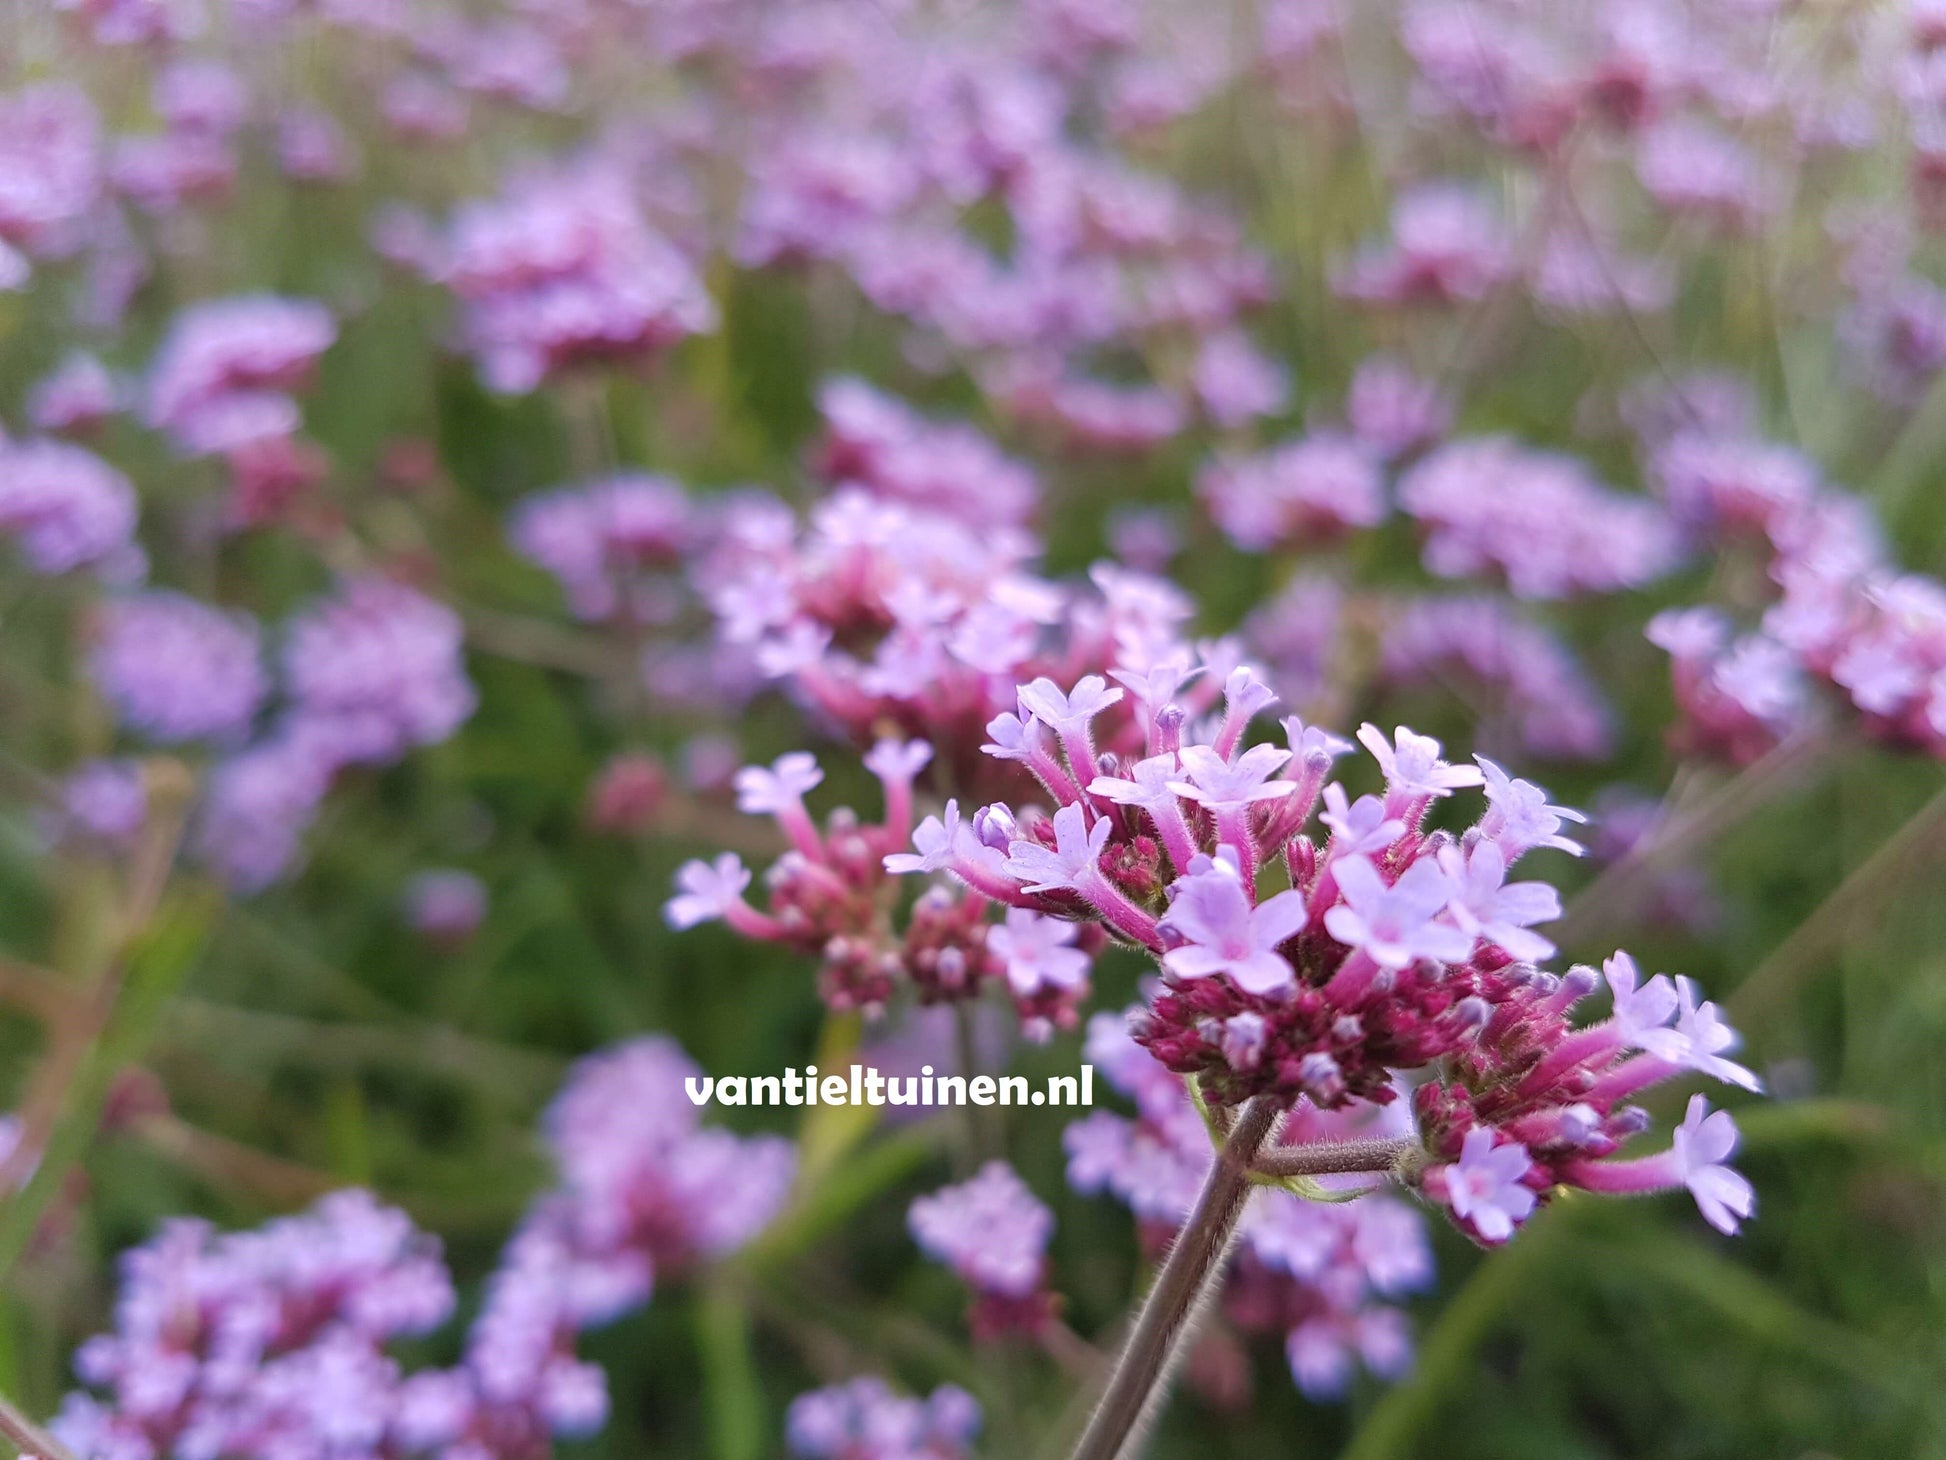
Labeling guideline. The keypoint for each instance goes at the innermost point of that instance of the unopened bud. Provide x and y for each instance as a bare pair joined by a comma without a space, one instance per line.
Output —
1168,729
995,826
1630,1120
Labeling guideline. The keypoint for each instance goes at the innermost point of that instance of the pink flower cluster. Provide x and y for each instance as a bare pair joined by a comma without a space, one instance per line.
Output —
259,1343
879,443
831,892
879,614
176,669
993,1231
1489,505
369,674
66,508
608,543
224,383
1390,946
1841,612
563,268
866,1420
273,1344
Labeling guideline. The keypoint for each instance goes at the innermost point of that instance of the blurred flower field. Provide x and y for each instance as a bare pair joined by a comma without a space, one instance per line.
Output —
1371,573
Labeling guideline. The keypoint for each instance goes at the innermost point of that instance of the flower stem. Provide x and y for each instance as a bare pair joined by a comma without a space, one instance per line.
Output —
1136,1386
28,1437
1332,1158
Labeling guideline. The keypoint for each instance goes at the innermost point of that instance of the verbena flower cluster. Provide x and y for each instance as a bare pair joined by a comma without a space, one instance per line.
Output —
1315,967
280,1341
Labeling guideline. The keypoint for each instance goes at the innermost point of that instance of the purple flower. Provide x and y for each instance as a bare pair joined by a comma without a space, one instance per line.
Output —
934,842
1229,785
50,167
259,803
1147,786
1070,863
1485,906
1642,1011
991,1230
1706,1039
1302,493
1068,714
1448,245
1703,1142
1393,410
226,352
377,670
1038,952
707,890
1395,925
78,396
68,508
1013,738
1483,1187
897,760
1223,933
1412,765
1519,817
763,791
179,670
1360,828
1236,382
446,905
103,801
1540,519
564,268
865,1420
598,539
272,1340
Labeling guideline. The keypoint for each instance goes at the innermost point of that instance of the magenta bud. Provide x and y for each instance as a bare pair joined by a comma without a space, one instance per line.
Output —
1578,982
1580,1124
1319,1073
952,967
1630,1120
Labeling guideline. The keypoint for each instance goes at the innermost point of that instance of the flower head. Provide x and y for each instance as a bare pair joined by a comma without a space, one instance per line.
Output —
1395,924
1703,1142
1072,859
779,787
1038,952
1483,1186
1222,933
708,889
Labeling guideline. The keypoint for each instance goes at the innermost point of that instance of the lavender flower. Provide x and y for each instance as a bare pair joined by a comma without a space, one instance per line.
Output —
1484,1186
991,1230
376,670
1221,932
67,509
177,670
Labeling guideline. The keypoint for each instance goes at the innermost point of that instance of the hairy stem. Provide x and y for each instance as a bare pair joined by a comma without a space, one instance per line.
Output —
28,1437
1189,1272
1332,1158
